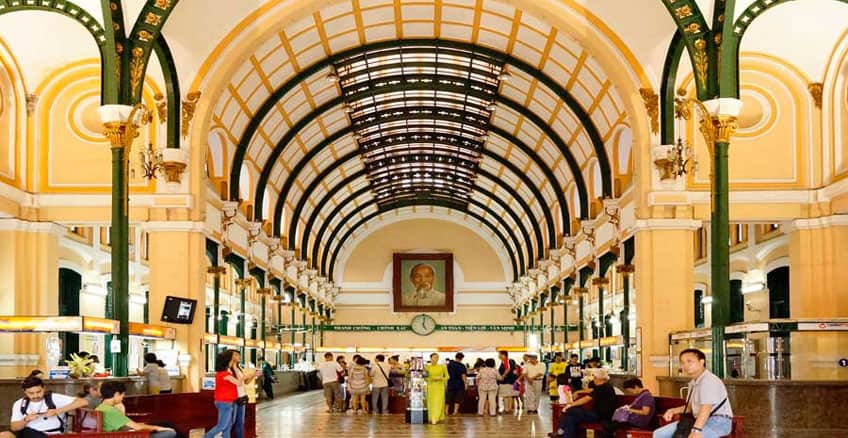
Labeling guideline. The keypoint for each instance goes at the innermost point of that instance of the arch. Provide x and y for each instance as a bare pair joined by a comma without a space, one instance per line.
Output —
398,206
570,101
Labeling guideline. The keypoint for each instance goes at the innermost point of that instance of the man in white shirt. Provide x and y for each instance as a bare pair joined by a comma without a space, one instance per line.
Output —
329,371
40,413
534,373
380,384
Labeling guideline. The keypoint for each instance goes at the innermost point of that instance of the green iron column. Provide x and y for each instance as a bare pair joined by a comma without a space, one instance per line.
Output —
719,242
120,134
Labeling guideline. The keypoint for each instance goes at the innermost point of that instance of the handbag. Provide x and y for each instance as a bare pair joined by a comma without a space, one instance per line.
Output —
687,420
621,414
241,401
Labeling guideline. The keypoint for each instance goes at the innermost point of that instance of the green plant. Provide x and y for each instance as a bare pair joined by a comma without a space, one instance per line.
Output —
80,367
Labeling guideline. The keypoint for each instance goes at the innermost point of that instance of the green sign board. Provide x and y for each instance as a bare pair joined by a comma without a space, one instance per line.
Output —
441,327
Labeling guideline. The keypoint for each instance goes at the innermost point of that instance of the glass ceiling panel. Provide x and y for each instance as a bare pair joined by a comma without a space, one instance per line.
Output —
420,115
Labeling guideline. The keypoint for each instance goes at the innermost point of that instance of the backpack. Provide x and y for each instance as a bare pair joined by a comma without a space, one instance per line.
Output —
48,400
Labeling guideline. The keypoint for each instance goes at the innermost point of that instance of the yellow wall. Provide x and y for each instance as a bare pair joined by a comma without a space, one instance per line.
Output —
477,259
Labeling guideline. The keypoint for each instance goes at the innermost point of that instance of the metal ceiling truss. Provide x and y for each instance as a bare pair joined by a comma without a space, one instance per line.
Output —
535,221
304,244
517,269
509,189
270,102
447,100
345,158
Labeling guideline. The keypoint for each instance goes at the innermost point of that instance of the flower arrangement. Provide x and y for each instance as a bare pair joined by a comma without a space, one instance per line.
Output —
80,366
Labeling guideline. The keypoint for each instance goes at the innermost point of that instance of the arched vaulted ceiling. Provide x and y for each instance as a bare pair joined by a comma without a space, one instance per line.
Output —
350,114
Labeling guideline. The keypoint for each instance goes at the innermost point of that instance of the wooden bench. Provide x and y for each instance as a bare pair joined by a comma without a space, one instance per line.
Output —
88,423
186,410
662,404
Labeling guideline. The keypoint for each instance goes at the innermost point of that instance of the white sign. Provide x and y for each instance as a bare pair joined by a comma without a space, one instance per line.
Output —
823,326
743,328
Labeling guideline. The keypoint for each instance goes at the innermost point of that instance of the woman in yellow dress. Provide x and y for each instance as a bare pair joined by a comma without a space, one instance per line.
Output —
437,376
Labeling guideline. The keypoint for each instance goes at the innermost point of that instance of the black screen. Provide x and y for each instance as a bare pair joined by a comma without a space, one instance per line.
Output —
178,310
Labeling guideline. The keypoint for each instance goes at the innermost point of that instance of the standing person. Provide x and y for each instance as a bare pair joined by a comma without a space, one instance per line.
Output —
164,379
437,375
151,371
115,420
380,385
707,399
508,376
603,401
556,368
268,379
396,373
358,380
533,374
241,402
457,383
343,383
40,413
226,394
487,388
574,371
330,372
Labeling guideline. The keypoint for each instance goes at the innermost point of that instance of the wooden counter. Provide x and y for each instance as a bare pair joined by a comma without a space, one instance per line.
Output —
781,408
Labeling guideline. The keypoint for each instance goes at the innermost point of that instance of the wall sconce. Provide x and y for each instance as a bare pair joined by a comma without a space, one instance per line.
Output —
676,161
753,288
151,162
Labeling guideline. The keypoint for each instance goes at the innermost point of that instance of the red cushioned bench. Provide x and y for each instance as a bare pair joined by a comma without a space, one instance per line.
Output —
662,404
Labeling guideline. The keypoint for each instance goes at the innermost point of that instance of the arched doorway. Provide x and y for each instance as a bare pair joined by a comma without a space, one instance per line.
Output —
70,283
778,285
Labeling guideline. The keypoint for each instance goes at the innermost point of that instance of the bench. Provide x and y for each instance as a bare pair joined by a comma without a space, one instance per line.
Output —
186,410
662,404
88,423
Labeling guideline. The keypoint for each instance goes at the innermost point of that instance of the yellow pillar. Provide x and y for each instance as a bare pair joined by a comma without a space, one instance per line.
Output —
818,273
818,258
29,285
664,280
177,255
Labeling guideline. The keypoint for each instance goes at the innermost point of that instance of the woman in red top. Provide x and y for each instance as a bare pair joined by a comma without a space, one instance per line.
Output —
226,393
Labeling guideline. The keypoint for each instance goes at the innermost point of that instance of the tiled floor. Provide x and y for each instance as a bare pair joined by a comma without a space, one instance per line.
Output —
303,415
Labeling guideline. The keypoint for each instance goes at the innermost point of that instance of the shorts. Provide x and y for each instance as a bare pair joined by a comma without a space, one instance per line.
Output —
454,396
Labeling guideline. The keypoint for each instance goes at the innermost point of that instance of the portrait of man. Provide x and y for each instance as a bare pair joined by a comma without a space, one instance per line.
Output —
423,282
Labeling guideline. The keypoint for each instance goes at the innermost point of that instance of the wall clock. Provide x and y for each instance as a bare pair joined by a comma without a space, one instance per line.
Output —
423,324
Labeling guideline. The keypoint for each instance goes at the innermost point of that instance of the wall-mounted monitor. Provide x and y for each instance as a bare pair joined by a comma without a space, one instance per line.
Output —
178,310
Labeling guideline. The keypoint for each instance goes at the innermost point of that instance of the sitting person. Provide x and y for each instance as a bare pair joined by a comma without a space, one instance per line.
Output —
639,413
40,413
91,394
115,420
604,405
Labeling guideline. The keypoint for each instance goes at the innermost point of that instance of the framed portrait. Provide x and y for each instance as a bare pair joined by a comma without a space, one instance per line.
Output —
422,282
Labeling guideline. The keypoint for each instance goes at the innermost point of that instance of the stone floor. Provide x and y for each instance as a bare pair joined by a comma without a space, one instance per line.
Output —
303,415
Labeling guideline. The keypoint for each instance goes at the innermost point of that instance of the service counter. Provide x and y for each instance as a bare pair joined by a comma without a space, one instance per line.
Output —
781,408
10,390
290,381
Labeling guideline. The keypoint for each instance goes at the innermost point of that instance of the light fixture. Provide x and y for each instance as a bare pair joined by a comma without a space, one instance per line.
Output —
753,287
492,106
707,299
332,77
151,162
505,76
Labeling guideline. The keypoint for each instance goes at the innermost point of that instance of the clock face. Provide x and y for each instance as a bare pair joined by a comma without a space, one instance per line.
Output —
423,324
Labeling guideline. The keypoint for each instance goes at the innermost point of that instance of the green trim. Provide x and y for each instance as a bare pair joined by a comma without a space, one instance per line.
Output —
517,266
143,36
113,16
319,207
270,102
102,36
172,90
120,257
395,207
694,27
510,190
355,155
668,87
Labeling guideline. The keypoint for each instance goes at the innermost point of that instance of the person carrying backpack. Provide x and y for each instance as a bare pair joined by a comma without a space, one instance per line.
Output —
40,413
